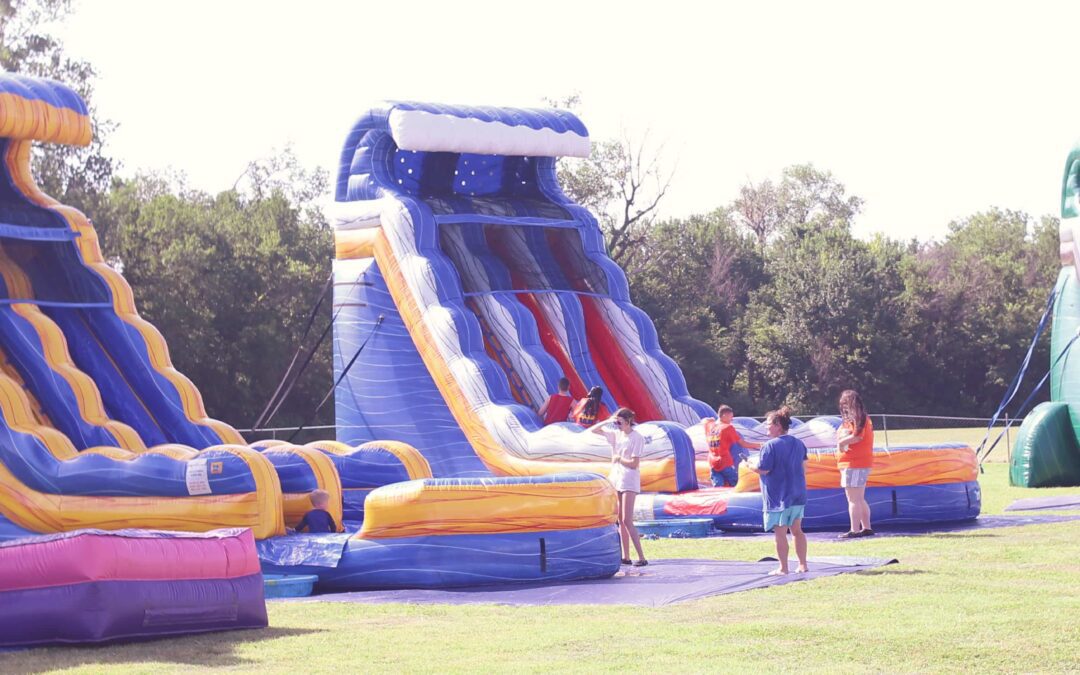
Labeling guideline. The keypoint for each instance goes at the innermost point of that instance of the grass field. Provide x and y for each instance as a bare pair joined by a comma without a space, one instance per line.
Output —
996,600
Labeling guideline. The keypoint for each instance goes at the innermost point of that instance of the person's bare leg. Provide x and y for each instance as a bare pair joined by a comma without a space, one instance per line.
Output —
864,519
859,509
780,533
800,544
624,535
853,508
627,515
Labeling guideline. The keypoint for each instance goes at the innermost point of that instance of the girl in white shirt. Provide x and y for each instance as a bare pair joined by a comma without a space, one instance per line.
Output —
626,449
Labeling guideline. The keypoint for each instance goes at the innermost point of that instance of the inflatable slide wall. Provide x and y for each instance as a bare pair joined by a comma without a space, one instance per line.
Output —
467,283
1047,452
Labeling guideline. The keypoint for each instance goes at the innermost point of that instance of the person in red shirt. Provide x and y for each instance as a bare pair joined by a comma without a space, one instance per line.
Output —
855,458
557,407
721,435
588,409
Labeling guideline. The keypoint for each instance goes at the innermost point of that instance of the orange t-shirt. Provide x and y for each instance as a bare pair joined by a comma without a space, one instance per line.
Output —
720,437
858,455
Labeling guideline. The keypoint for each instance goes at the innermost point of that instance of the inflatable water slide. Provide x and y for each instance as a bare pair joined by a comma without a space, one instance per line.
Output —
99,433
1047,449
467,283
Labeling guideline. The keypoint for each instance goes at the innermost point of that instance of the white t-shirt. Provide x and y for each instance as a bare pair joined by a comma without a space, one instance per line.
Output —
627,446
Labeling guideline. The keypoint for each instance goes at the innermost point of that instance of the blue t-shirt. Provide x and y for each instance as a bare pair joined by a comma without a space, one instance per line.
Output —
317,521
785,484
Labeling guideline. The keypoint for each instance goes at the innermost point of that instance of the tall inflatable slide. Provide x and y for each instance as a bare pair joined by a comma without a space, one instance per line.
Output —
1047,451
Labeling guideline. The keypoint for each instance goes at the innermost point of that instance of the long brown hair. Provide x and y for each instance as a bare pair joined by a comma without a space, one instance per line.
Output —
852,409
592,403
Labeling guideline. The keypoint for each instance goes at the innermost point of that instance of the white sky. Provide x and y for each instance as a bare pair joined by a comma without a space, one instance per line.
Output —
930,111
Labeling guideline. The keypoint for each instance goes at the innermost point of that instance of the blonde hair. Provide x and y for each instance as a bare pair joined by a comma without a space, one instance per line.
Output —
318,497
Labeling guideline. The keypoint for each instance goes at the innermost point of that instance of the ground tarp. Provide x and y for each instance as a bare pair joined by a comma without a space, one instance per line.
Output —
1045,503
662,582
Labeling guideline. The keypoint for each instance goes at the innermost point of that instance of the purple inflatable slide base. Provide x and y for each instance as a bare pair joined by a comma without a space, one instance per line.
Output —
99,586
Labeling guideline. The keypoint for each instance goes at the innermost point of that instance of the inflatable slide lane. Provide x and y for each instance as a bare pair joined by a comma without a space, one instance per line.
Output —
97,430
467,284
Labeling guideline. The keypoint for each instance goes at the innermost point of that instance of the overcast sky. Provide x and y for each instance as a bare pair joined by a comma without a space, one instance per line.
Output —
929,111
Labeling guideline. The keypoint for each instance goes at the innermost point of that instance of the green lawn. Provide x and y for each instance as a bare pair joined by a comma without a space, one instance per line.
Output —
999,600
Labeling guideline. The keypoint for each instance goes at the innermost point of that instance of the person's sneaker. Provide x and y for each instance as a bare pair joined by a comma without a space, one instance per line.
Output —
866,533
848,535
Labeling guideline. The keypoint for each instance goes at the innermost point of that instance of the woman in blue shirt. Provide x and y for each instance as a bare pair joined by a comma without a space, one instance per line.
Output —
782,468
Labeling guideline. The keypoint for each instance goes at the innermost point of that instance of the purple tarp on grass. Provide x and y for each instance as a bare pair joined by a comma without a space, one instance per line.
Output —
662,582
1045,503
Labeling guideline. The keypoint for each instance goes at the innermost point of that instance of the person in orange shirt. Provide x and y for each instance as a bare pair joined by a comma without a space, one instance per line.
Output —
854,458
721,434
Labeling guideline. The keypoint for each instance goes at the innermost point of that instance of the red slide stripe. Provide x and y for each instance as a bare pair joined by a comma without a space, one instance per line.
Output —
615,367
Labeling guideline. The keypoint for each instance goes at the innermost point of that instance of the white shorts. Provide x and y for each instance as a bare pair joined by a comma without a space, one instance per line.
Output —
625,480
854,478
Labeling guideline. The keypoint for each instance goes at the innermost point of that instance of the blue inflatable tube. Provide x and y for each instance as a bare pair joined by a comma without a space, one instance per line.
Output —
445,561
827,509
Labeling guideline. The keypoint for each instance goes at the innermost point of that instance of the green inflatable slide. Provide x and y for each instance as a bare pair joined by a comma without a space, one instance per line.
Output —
1047,452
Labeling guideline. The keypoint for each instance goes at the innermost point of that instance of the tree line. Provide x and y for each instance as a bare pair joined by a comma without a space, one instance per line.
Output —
800,310
765,300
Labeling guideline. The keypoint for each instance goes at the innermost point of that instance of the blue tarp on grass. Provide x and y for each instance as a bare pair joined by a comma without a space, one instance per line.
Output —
661,583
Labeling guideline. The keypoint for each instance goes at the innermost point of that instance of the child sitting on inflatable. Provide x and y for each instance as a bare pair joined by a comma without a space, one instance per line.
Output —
318,520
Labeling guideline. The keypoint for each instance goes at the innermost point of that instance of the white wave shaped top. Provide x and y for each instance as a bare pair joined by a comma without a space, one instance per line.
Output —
424,131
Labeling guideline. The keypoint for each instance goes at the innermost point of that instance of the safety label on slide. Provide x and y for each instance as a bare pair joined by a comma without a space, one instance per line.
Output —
198,482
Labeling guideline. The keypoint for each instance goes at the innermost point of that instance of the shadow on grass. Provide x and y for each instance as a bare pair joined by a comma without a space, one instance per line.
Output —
214,650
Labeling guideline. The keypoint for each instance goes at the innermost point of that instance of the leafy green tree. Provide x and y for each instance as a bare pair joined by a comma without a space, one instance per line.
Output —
806,199
977,297
830,319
